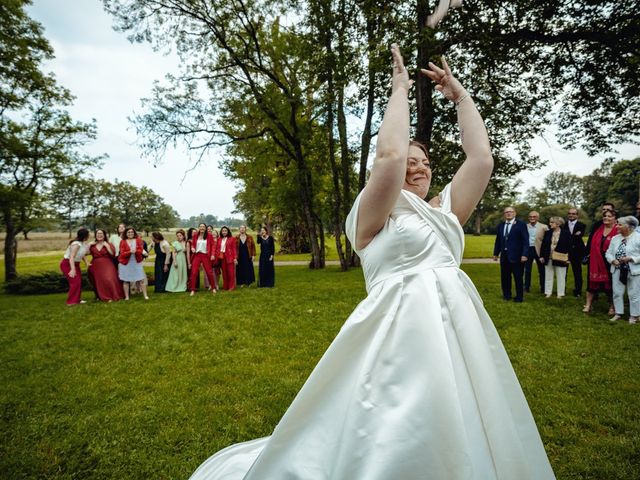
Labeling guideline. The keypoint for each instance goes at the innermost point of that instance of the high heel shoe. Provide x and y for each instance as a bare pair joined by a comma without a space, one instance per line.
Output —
586,309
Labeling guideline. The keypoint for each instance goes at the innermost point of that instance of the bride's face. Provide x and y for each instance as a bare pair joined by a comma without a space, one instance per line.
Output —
418,176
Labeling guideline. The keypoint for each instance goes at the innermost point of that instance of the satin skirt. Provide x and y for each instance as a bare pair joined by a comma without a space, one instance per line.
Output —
417,385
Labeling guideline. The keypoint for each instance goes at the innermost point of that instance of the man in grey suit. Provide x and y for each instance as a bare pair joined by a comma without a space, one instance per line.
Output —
536,233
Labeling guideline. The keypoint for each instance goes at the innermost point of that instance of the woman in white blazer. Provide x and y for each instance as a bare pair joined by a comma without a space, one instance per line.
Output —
624,256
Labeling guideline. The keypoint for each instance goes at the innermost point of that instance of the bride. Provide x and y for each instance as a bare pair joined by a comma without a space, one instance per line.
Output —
417,384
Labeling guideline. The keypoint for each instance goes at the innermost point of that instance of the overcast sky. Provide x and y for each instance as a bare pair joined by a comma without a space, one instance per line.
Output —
109,75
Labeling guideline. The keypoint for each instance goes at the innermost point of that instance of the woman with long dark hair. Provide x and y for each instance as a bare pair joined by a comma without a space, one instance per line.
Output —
266,269
228,256
130,269
203,250
70,265
162,263
178,276
102,271
246,249
598,269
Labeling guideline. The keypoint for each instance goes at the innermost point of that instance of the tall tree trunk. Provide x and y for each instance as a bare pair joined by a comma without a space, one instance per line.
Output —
365,139
477,224
330,65
306,197
424,86
10,246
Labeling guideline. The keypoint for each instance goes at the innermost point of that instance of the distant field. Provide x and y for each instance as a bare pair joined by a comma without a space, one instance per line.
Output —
51,242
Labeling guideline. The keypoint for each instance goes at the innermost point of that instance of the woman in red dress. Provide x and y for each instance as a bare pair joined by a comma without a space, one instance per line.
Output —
598,269
102,271
228,253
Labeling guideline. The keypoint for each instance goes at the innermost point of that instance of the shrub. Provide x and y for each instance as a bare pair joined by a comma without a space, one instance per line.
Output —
42,283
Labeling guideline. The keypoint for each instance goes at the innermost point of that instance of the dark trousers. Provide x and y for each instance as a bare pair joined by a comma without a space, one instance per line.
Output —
507,270
528,267
576,268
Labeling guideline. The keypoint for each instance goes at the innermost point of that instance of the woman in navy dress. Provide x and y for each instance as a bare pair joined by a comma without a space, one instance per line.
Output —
266,270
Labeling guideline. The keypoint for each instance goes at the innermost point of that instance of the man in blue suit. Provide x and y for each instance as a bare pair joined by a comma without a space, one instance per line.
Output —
512,247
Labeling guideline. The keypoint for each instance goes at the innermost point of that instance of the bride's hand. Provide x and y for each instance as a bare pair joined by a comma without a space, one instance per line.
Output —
400,74
445,82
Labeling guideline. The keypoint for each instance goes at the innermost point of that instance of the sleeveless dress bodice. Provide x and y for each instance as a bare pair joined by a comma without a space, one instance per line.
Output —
416,237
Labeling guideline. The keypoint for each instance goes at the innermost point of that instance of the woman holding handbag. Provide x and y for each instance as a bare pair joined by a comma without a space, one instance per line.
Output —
554,254
623,255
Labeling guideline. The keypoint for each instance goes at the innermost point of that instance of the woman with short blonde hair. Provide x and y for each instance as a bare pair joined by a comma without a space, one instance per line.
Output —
554,254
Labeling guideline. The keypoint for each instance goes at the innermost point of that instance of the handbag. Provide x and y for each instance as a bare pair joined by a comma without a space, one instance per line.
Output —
559,257
624,273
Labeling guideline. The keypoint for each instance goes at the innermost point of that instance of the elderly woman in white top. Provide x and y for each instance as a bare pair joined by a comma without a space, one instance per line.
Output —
624,256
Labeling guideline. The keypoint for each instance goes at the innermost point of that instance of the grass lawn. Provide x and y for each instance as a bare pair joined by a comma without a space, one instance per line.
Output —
143,390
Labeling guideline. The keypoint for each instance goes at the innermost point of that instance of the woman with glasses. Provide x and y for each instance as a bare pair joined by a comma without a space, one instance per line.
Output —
624,256
598,269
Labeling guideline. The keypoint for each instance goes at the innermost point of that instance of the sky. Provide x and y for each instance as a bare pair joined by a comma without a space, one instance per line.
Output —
109,76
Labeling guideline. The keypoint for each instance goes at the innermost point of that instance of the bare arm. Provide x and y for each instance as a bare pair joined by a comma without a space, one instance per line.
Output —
72,260
472,178
389,166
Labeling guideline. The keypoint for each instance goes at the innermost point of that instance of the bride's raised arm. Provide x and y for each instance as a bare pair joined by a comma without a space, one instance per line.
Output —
472,178
388,171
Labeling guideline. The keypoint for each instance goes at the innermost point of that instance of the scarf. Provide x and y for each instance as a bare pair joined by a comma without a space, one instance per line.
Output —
598,269
125,251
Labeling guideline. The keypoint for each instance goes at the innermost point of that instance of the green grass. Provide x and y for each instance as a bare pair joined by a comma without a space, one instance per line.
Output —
143,390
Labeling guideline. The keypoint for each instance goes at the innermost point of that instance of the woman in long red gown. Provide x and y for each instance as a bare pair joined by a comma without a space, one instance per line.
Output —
102,272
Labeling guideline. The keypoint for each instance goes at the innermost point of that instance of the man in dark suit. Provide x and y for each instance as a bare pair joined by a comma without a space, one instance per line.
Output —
512,247
576,253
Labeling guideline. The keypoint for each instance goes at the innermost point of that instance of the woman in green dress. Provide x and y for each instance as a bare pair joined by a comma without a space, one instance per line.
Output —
177,281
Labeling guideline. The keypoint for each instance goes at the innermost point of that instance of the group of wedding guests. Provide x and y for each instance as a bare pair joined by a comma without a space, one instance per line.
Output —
611,255
116,269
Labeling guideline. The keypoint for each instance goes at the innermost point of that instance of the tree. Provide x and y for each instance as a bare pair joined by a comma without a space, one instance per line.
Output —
525,60
565,188
39,140
625,184
245,59
69,195
276,94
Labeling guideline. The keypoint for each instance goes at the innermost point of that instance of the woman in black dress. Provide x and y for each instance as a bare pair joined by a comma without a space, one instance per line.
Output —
246,253
163,261
266,271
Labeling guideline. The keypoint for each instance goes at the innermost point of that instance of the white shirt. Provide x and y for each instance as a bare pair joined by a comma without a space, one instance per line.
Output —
533,229
82,251
201,247
572,224
223,244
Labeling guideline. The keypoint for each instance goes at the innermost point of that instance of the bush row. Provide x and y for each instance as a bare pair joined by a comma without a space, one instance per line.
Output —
46,282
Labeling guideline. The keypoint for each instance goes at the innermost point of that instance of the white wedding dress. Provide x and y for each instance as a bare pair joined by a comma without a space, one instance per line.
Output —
416,385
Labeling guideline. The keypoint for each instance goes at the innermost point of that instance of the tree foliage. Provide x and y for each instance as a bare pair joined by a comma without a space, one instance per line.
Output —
39,141
279,98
